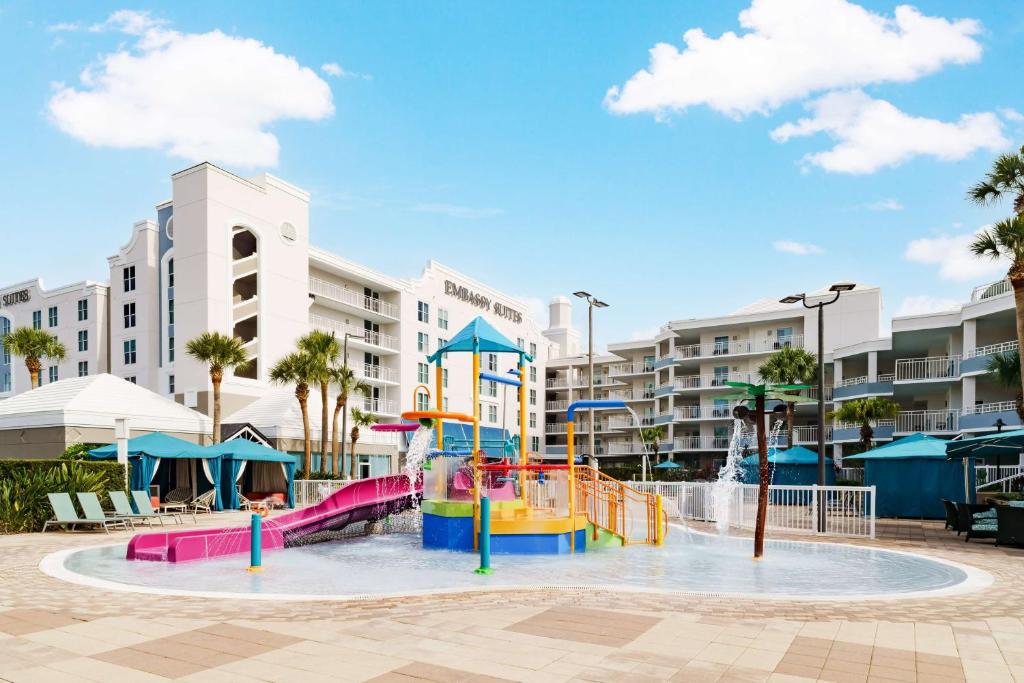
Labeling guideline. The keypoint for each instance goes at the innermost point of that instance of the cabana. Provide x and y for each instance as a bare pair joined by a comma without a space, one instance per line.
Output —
911,476
256,468
146,454
797,466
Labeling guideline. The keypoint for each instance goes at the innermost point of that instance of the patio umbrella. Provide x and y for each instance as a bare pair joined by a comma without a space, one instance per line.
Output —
668,465
987,446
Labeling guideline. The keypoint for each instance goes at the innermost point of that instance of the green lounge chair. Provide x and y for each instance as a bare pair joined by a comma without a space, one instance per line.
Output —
122,508
90,503
64,515
144,507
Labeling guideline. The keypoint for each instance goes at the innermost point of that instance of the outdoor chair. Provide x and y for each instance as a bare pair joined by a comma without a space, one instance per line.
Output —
65,515
203,503
1010,519
122,508
976,520
178,499
145,507
952,519
90,503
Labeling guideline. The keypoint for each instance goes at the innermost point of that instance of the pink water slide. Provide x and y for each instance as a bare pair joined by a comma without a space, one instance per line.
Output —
363,500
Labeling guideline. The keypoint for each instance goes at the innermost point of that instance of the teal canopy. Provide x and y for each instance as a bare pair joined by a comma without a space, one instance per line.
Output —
157,445
243,449
798,455
667,465
797,466
987,446
234,455
914,446
478,335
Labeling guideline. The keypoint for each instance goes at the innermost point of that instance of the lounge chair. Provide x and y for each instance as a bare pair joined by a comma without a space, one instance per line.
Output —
90,503
203,503
122,508
952,519
977,520
145,507
1010,518
65,515
177,499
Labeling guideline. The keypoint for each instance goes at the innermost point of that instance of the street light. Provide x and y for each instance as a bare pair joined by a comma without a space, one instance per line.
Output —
344,413
837,289
592,303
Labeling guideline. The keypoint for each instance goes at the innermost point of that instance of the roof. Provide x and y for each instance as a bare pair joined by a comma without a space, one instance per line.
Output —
158,445
96,401
243,449
909,447
798,455
277,414
487,339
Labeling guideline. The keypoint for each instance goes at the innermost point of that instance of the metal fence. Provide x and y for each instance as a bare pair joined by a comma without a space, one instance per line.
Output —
312,491
849,510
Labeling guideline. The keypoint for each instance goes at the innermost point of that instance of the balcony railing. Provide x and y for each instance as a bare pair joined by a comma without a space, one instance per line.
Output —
925,369
352,298
380,406
717,381
928,421
379,373
810,434
686,413
734,347
703,412
624,448
627,421
813,393
385,341
701,443
637,368
992,349
982,408
582,427
997,288
556,405
561,381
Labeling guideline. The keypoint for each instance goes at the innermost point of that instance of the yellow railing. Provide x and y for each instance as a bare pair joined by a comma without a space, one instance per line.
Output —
618,508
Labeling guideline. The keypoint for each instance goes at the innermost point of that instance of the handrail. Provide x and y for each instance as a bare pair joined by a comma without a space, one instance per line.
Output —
608,502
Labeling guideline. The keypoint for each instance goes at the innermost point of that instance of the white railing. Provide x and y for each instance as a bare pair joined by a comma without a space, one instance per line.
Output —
849,510
380,339
686,413
992,349
813,393
809,434
352,298
997,288
711,381
627,421
999,407
556,405
851,473
623,448
637,368
380,406
701,443
313,491
582,427
993,478
376,372
928,421
562,381
737,346
923,369
703,412
875,424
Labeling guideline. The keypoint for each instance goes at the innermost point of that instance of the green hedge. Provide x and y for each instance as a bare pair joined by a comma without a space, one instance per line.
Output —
25,483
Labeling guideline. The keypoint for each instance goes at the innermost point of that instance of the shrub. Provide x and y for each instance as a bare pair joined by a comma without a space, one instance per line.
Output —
78,451
25,483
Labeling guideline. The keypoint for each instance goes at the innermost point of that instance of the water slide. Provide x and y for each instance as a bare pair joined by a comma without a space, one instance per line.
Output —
363,500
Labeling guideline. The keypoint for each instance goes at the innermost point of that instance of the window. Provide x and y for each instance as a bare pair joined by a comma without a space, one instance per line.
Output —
721,345
83,340
170,384
170,349
128,276
533,420
533,349
423,311
533,397
783,337
170,311
441,341
83,368
492,362
129,315
422,373
492,413
6,386
129,352
53,373
444,378
83,309
37,320
534,443
521,343
442,318
533,373
51,316
423,342
130,379
444,402
721,375
489,388
422,401
170,272
5,328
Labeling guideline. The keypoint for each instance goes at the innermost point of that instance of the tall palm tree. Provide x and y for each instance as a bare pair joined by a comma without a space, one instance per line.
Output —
652,436
1006,238
323,349
359,419
1006,369
297,369
865,411
219,352
33,345
789,365
348,384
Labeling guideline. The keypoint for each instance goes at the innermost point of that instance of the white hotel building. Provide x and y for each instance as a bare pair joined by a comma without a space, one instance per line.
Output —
230,254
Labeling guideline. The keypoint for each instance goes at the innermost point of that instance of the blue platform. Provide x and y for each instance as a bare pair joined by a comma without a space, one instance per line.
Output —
456,533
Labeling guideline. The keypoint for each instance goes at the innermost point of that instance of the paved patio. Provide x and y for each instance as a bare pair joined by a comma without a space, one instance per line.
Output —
55,631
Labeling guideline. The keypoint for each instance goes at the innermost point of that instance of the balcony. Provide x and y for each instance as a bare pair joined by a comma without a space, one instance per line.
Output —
848,432
561,381
932,369
556,406
993,289
637,368
627,422
376,373
860,387
928,422
379,406
582,427
364,339
976,361
717,381
982,417
701,443
809,435
349,300
736,347
624,448
703,412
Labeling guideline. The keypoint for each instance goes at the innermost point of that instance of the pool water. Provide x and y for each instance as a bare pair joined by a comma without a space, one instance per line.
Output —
396,563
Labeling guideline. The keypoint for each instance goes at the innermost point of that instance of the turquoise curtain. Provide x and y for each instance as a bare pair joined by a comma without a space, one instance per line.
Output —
143,471
289,470
230,478
218,499
915,487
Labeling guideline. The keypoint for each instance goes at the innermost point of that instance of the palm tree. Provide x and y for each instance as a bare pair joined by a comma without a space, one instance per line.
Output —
789,365
1006,369
652,436
220,352
33,345
347,384
297,369
1006,238
323,349
359,419
865,411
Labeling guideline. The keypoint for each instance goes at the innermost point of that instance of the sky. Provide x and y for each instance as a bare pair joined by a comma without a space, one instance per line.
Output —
676,159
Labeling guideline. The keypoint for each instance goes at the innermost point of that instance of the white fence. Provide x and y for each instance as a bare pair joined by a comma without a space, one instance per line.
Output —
312,491
849,510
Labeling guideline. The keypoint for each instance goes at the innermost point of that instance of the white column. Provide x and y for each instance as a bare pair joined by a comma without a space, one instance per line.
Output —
837,372
121,435
970,336
968,393
872,366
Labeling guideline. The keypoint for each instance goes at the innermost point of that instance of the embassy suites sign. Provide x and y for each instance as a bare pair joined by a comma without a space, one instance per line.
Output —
11,298
463,293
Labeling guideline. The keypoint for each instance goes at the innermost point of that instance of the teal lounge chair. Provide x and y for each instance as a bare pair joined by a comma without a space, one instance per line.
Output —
94,512
144,507
64,515
122,508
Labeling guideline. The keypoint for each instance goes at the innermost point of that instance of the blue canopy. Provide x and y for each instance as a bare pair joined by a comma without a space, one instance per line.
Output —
914,446
243,449
478,335
987,446
236,452
667,465
797,466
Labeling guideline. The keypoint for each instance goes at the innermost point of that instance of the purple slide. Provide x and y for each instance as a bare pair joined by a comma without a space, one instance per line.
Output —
363,500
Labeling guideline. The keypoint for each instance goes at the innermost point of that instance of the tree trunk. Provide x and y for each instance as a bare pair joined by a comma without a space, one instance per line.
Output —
763,479
344,431
216,377
324,432
1017,281
789,425
352,455
34,367
866,432
338,405
302,394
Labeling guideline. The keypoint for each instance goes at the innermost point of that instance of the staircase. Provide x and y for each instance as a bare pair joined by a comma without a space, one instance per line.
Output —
618,508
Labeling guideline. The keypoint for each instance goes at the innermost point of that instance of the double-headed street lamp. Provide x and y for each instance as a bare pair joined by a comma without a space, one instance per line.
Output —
592,303
838,289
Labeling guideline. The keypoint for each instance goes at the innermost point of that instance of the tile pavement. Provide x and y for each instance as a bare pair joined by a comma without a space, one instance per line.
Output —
54,631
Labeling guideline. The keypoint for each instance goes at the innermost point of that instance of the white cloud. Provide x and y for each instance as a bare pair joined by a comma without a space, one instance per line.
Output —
924,303
200,96
789,50
884,205
64,27
337,71
1011,114
798,248
955,261
871,134
456,211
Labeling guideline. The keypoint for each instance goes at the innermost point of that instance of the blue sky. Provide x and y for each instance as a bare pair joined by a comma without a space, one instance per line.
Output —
482,135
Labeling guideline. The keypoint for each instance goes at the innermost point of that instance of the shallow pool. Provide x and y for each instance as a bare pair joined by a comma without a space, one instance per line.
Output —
394,564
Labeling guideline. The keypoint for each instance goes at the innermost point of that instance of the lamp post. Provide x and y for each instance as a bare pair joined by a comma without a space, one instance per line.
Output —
837,289
592,303
344,413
